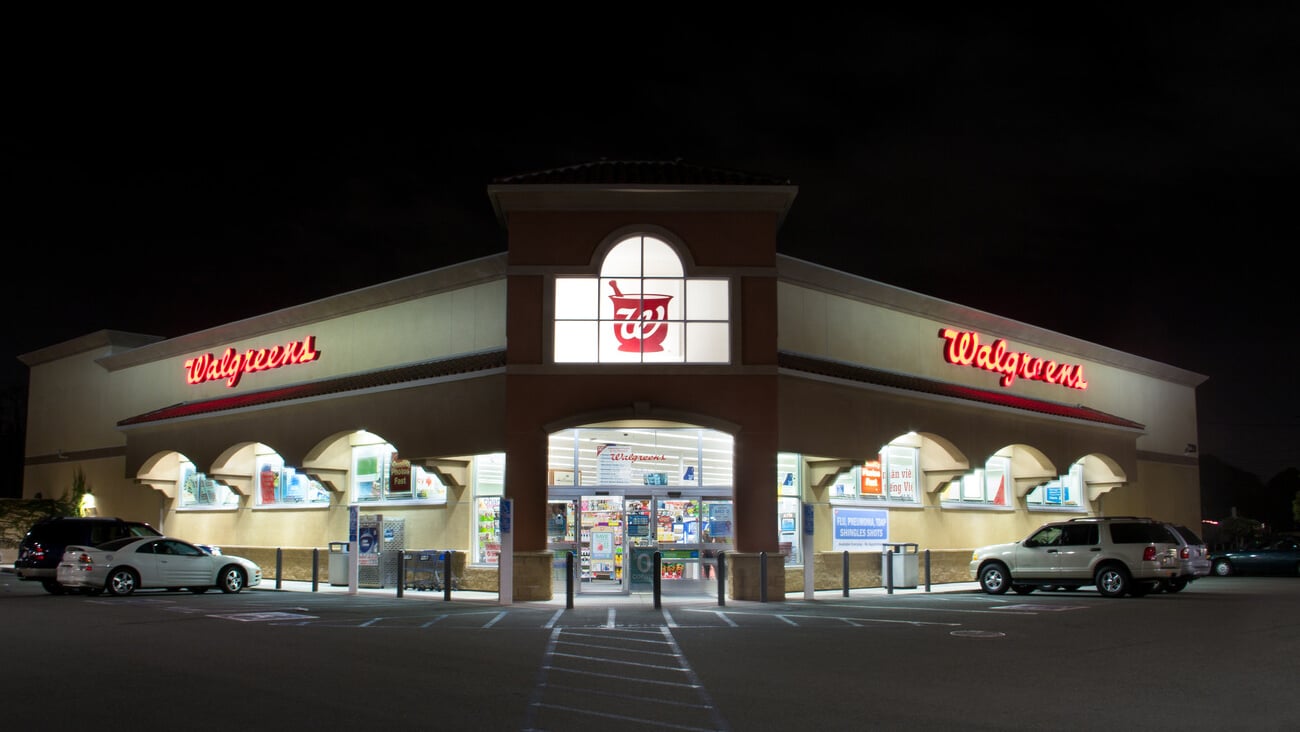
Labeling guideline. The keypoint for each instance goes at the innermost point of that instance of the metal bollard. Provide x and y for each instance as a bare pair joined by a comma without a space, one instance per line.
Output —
446,575
568,580
846,573
658,579
315,568
722,578
401,573
762,576
279,562
889,570
927,570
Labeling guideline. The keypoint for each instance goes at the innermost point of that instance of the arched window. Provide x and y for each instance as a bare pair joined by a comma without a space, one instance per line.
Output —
642,309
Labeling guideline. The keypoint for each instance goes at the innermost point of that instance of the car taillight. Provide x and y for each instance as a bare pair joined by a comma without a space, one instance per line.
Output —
1185,553
1149,554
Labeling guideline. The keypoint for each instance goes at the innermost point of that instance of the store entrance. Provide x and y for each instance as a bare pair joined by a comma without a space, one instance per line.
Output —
614,534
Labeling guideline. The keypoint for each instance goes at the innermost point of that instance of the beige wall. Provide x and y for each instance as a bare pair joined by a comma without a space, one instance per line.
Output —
844,327
437,326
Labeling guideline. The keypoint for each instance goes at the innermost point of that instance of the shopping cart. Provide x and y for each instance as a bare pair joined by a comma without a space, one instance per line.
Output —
424,572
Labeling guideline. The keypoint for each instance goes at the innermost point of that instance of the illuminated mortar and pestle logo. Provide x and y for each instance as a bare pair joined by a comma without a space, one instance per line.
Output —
643,327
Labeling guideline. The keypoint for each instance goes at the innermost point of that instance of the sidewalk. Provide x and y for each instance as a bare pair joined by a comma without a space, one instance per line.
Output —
594,598
587,598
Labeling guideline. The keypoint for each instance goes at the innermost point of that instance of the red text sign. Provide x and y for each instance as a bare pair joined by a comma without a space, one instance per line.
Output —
964,349
232,366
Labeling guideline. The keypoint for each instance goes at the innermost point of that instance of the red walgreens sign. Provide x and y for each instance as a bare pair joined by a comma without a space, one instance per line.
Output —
964,349
232,366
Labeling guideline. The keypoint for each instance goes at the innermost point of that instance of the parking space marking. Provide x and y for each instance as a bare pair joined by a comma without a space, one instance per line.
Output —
260,617
1043,608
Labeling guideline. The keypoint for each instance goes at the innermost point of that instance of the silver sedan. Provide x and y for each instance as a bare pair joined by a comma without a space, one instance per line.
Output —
123,566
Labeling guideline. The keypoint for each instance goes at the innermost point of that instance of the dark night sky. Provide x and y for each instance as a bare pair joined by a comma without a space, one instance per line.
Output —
1121,177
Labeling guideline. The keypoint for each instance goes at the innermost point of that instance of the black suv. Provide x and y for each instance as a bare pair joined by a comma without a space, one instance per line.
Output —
42,548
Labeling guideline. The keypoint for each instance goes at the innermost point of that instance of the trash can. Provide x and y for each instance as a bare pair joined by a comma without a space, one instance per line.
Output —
905,564
339,566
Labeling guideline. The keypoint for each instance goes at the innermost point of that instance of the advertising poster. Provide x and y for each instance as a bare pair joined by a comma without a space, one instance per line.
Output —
368,541
613,464
602,545
859,529
902,475
871,478
399,475
267,479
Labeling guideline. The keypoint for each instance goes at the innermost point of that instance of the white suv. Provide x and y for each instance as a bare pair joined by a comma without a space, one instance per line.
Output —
1120,555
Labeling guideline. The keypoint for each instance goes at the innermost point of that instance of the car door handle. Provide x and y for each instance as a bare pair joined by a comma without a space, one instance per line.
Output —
1095,549
1053,551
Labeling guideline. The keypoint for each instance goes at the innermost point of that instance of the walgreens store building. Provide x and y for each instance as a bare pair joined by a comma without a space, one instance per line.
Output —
640,371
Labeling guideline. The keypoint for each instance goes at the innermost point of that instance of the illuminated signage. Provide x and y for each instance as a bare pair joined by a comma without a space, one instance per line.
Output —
231,366
964,349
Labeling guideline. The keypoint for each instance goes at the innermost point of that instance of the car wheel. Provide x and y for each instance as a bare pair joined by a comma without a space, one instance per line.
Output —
1175,585
231,580
994,579
1223,567
52,587
198,590
1023,589
1112,580
122,582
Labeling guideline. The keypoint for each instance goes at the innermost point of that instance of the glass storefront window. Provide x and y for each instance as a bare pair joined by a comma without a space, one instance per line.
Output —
381,475
789,471
891,478
277,484
642,309
489,487
1063,492
198,491
635,456
988,486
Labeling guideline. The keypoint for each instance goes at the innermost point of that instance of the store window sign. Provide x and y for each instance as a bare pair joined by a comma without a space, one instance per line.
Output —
232,366
964,349
871,478
859,528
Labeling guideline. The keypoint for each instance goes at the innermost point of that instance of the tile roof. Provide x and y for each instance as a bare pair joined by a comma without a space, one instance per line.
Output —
849,372
355,382
642,172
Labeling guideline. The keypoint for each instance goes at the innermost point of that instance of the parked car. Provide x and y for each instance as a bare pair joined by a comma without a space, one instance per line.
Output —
1278,556
43,546
1119,555
1193,558
123,566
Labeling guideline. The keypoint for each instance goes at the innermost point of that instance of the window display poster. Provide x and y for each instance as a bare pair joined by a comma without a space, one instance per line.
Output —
613,464
267,478
871,478
902,476
602,545
859,528
368,541
399,475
